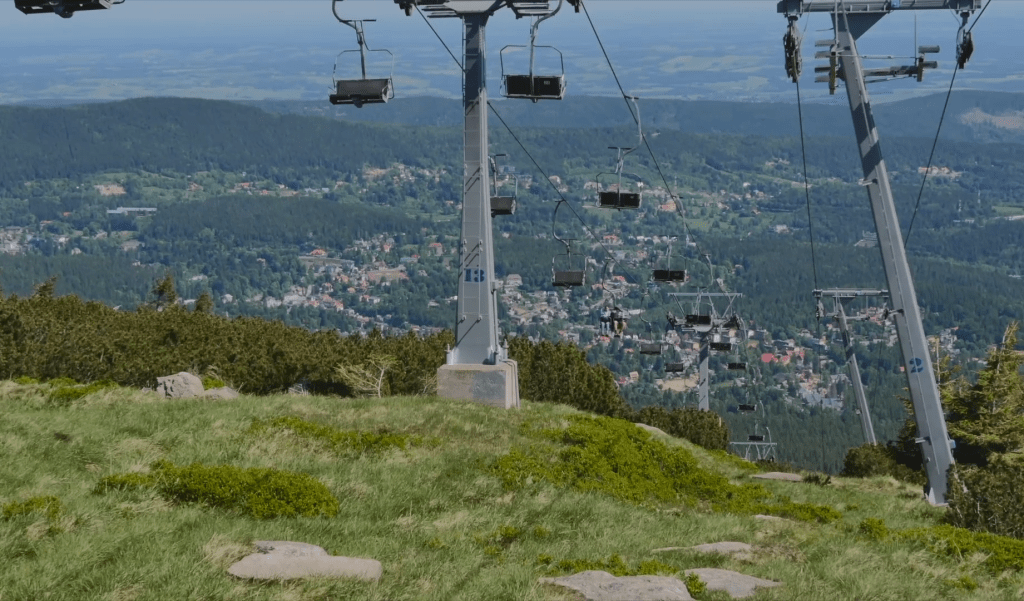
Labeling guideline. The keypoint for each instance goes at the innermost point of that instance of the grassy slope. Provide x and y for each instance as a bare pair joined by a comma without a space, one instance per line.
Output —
424,513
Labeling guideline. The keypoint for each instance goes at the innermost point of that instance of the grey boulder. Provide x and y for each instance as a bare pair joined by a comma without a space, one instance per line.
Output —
182,385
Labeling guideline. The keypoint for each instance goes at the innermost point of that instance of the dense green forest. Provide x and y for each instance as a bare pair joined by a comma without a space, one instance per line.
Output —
244,198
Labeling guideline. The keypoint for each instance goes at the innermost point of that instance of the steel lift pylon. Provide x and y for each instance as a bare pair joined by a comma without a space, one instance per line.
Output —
840,297
478,367
851,19
705,326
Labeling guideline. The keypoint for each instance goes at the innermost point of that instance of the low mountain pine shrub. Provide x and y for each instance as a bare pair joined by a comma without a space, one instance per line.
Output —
617,458
261,493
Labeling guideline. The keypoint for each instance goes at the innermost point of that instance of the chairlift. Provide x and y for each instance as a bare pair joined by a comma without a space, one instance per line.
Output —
502,205
568,270
618,196
669,275
756,438
747,408
62,8
649,347
737,366
612,317
722,347
532,86
365,90
675,367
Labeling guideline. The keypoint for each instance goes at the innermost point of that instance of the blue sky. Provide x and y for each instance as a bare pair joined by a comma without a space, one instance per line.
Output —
285,49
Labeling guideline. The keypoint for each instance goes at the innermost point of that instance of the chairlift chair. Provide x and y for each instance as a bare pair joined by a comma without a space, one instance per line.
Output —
621,197
737,366
747,408
756,438
365,90
649,347
669,275
502,205
571,271
675,367
532,86
723,347
62,8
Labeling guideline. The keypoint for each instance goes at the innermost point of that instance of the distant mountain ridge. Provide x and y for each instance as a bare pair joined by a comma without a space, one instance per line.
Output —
972,116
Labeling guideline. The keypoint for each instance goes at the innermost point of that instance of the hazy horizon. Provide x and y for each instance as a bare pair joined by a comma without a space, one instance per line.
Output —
264,50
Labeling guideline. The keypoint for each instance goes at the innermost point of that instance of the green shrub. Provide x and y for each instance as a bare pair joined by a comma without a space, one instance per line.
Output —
210,382
1004,553
67,394
25,381
345,441
695,585
874,528
868,460
261,493
49,506
987,499
615,457
559,373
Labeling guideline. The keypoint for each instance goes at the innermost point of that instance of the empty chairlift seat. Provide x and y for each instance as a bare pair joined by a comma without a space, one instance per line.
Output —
536,87
503,205
697,320
65,9
675,368
669,275
618,200
747,408
737,366
650,348
569,277
721,346
362,91
756,438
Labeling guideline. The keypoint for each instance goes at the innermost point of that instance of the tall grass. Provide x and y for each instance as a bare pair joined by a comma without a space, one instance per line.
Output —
442,525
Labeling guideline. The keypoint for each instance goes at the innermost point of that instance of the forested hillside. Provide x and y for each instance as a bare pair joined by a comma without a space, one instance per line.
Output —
334,224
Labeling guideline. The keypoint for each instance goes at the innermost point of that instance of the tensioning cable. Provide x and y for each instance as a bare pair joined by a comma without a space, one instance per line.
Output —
938,130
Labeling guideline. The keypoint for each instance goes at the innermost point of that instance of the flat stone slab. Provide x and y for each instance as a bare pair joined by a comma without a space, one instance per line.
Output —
285,560
596,585
736,585
737,550
780,476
